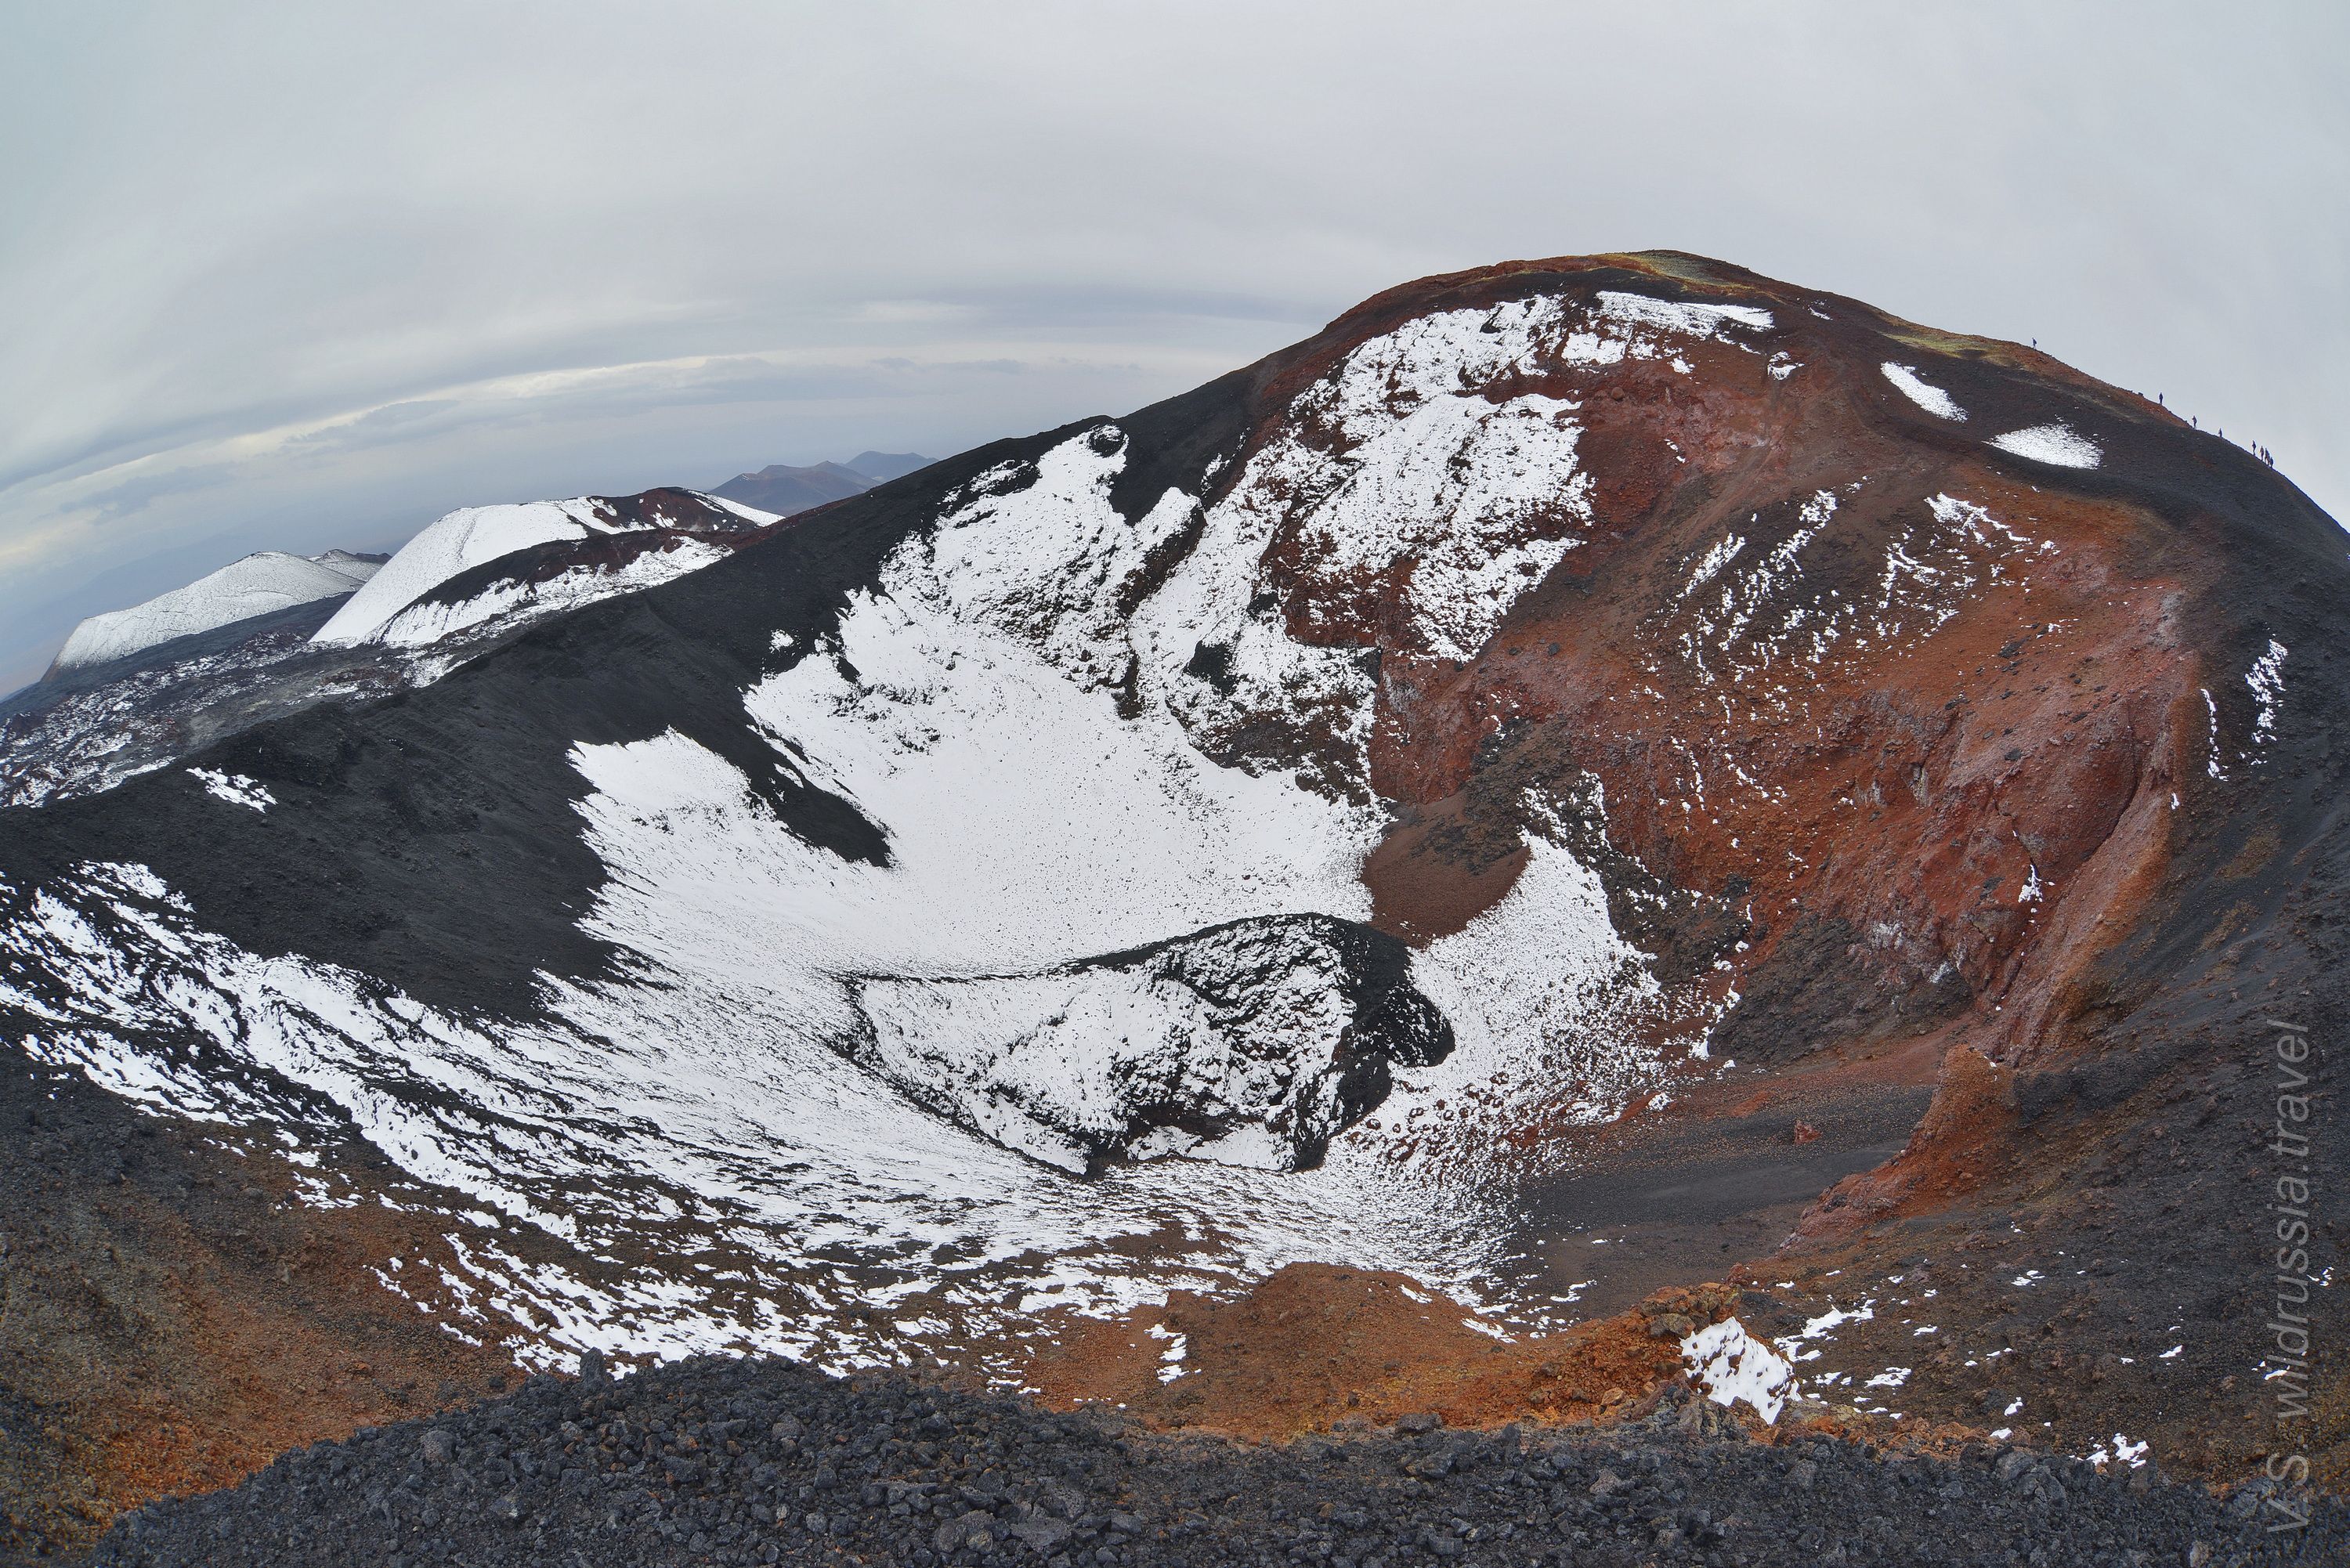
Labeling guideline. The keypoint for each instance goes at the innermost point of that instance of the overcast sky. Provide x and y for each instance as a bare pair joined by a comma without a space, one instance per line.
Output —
308,275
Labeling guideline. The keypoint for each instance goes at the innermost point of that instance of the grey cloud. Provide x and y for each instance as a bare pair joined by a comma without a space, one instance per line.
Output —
391,422
135,496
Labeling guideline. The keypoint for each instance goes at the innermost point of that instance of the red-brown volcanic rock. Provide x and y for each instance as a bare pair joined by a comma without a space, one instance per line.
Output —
1963,785
1896,788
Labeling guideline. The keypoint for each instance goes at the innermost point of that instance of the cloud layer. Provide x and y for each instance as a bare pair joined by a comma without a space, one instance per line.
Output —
307,276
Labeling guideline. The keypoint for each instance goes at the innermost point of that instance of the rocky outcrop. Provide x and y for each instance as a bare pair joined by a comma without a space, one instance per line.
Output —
1251,1044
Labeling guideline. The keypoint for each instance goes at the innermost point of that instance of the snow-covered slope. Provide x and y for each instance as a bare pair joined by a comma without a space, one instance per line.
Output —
1124,800
555,579
1087,946
477,535
259,585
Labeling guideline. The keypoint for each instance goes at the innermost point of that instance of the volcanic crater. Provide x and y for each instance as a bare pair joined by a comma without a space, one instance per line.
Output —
1860,801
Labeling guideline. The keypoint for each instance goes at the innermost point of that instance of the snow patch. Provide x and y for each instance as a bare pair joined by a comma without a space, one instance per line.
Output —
1693,319
1931,398
1395,472
2266,680
1402,474
1732,1364
423,625
1710,564
1171,1360
2055,444
1049,564
1823,1327
2121,1451
234,788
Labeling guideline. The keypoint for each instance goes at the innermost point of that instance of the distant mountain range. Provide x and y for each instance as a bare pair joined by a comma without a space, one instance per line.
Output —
272,634
269,583
784,490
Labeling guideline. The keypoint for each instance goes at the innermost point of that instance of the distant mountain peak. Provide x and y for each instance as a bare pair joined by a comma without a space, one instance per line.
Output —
784,490
881,467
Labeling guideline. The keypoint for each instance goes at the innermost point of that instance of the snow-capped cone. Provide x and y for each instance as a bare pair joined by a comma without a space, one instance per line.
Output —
456,546
260,584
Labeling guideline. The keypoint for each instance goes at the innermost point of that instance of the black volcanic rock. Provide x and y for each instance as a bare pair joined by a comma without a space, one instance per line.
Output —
1280,1032
752,1463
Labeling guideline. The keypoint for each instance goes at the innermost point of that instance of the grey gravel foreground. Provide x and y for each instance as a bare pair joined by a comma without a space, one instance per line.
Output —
741,1462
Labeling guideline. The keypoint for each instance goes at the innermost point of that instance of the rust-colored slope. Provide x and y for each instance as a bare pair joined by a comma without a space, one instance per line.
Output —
1953,766
172,1315
1961,783
1316,1344
1920,740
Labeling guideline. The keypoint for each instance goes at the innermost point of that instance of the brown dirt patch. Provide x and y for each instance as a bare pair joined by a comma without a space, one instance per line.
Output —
1317,1343
175,1328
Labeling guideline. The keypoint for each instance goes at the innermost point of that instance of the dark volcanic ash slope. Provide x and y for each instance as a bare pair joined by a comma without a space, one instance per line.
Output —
1750,708
744,1463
